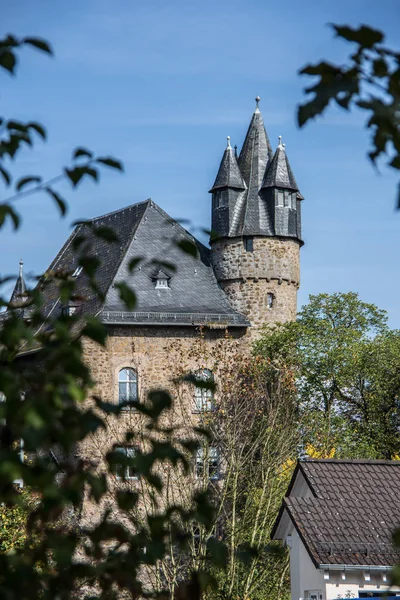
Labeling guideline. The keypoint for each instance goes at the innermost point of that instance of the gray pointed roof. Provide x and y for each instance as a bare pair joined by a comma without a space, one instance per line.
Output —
143,230
255,153
18,294
229,174
251,215
279,172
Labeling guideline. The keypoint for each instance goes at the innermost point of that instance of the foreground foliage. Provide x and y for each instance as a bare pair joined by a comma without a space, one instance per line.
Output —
370,82
45,551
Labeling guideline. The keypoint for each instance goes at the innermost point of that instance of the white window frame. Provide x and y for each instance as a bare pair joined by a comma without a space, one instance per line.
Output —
203,397
207,463
162,284
128,380
128,472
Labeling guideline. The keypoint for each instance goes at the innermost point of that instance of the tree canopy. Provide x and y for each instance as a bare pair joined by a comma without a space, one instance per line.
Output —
346,363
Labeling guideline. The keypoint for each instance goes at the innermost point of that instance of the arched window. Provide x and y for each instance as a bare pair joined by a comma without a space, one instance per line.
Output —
203,396
127,386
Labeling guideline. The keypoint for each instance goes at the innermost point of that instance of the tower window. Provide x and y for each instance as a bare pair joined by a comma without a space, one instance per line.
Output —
270,300
287,198
280,198
248,244
217,200
294,199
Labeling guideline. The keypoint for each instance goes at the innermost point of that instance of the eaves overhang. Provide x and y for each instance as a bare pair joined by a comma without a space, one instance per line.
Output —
212,321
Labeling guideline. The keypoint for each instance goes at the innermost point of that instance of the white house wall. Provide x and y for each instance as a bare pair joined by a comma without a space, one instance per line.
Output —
353,584
305,577
303,574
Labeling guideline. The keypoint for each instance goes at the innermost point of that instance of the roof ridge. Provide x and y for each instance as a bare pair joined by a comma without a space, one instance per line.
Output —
114,212
125,250
165,214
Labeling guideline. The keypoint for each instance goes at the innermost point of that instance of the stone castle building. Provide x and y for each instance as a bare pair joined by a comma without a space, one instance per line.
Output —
248,277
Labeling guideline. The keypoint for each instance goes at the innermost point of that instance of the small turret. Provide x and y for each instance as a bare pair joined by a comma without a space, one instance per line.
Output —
281,193
18,298
229,186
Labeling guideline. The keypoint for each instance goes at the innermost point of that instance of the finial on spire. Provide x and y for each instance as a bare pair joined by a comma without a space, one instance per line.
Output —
21,264
257,101
236,154
280,140
228,144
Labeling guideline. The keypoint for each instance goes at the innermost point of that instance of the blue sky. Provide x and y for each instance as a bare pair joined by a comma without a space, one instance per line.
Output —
160,84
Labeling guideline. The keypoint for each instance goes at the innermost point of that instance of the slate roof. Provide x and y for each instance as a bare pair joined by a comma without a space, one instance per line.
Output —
229,174
279,173
252,209
144,230
17,296
253,160
352,513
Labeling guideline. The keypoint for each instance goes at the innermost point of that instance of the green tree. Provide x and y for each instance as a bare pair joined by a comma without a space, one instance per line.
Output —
370,82
346,364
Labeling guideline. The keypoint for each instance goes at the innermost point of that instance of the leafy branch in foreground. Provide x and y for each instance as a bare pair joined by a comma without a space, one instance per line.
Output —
370,81
48,406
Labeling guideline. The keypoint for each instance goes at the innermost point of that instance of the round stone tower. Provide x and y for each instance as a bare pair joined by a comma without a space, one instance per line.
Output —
256,224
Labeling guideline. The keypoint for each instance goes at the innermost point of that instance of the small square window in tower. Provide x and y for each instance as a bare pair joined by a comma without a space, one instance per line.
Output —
248,244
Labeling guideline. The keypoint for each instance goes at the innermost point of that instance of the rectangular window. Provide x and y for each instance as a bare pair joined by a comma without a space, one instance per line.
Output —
287,198
204,397
248,244
207,463
294,200
126,470
313,595
280,198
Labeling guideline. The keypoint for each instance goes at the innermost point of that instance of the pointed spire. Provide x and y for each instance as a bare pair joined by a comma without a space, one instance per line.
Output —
229,173
256,152
18,295
279,173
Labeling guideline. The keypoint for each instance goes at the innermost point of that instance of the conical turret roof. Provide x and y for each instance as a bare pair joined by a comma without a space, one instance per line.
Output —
18,295
279,173
229,174
256,152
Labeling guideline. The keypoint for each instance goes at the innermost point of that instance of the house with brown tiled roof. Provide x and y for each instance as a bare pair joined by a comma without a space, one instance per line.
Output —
338,518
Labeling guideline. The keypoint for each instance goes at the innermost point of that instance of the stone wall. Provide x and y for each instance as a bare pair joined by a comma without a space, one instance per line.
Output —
159,355
273,267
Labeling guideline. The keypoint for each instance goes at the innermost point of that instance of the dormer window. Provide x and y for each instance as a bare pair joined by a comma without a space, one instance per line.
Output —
161,280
